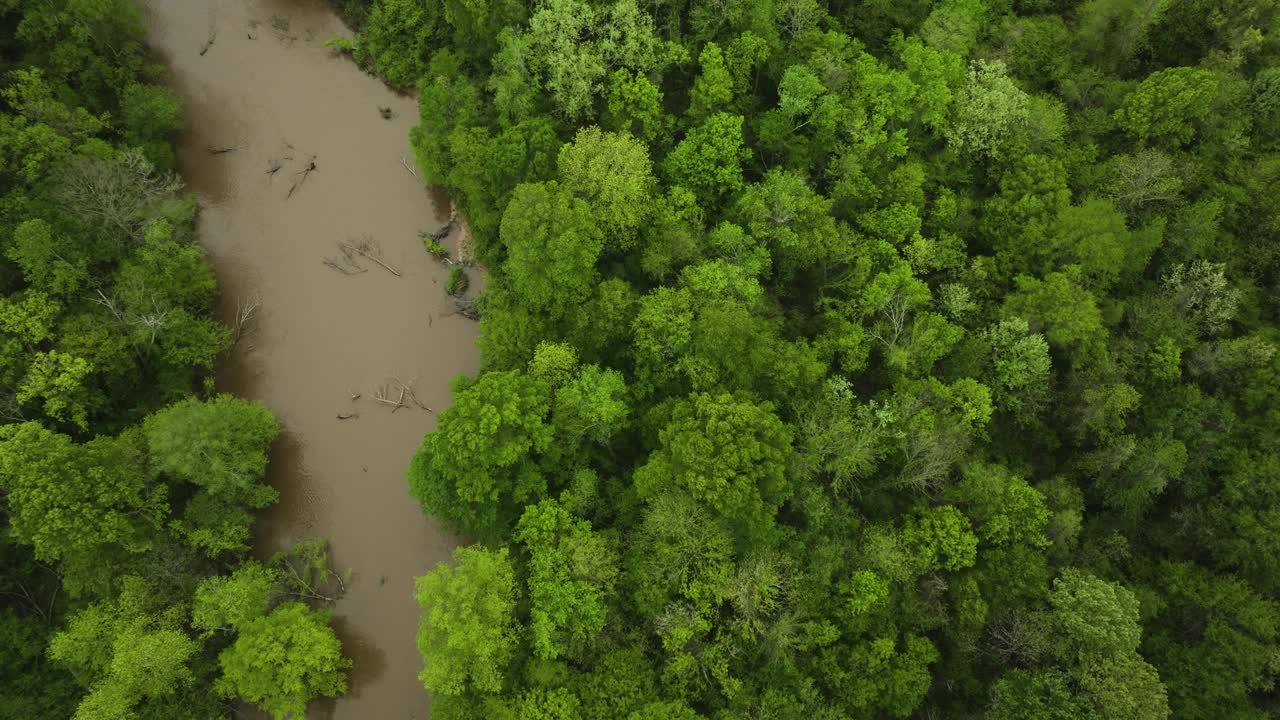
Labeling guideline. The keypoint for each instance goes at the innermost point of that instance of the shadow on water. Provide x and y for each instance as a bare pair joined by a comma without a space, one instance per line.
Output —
368,660
303,510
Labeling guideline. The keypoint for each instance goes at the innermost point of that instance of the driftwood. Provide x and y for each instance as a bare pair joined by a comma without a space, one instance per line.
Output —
386,112
213,150
274,165
348,416
307,574
406,167
213,35
366,248
350,252
345,262
301,176
399,394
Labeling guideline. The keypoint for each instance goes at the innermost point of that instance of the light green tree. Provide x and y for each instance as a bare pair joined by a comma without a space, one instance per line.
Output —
467,633
709,159
989,112
612,172
281,661
1168,106
571,573
125,651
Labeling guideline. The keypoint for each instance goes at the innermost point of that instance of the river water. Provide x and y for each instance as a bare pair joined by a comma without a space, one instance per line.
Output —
268,92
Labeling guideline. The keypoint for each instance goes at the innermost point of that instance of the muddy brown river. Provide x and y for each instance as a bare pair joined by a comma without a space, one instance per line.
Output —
267,92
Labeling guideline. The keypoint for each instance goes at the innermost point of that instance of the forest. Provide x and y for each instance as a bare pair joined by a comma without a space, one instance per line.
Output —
127,484
841,360
855,359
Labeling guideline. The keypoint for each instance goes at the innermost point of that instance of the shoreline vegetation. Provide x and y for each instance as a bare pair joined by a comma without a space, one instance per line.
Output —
854,360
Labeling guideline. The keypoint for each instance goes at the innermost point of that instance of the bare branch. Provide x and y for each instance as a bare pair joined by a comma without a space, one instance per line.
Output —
365,247
345,261
246,311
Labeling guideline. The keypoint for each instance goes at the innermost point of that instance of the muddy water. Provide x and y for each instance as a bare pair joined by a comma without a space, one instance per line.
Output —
266,89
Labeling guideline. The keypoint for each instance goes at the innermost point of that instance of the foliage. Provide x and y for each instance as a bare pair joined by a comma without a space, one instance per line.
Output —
485,450
839,359
280,661
467,631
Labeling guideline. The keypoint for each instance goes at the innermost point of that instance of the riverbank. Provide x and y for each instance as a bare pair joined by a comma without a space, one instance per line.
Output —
293,152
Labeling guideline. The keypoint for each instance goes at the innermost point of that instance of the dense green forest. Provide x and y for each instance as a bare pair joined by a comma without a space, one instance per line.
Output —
126,497
855,358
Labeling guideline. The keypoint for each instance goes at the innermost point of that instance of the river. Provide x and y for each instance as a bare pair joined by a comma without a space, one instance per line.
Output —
266,91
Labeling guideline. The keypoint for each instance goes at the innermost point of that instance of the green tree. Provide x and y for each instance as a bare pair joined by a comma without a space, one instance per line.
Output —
552,243
709,159
232,601
728,453
571,573
1125,686
51,262
281,661
989,111
682,553
785,215
892,675
1212,672
591,407
1067,314
1004,508
60,383
1169,105
1037,695
634,104
126,652
1092,617
1022,368
712,91
711,333
467,632
664,711
953,25
149,116
78,505
479,468
221,445
612,172
573,70
940,538
396,38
